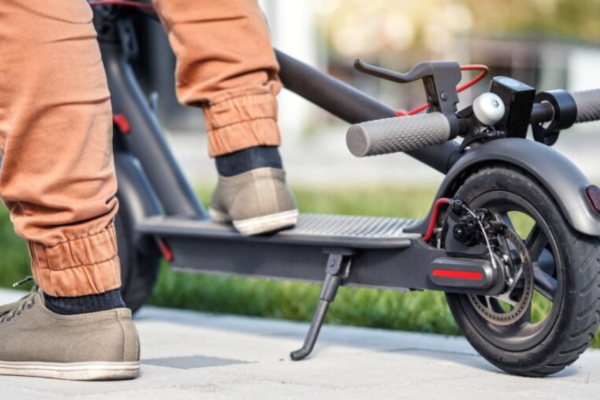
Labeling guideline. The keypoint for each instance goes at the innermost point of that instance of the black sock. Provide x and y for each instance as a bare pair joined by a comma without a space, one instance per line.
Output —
248,159
84,304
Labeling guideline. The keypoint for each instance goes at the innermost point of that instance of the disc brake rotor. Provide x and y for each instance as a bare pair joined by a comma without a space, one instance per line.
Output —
519,293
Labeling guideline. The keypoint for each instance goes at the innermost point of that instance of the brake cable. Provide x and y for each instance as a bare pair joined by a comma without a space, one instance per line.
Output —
487,241
474,67
433,220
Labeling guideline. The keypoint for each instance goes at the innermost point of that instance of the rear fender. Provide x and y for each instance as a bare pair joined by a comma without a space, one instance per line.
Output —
555,172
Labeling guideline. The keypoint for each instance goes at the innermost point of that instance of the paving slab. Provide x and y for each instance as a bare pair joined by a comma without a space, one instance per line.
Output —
192,355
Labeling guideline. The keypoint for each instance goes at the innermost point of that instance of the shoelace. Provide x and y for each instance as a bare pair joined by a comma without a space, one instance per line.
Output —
26,302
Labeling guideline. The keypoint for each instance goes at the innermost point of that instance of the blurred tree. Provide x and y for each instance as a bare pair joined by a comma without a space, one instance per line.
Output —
573,18
369,27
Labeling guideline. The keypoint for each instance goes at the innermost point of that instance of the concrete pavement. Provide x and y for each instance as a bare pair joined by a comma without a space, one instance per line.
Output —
191,355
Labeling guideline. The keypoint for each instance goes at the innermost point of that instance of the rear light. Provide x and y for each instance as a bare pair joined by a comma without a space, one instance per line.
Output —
593,194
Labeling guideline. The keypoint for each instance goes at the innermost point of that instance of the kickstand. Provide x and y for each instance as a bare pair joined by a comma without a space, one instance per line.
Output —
335,273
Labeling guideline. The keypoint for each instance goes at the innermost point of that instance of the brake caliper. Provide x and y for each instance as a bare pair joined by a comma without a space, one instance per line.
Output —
481,233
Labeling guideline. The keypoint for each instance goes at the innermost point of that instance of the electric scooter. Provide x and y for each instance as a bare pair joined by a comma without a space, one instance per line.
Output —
467,245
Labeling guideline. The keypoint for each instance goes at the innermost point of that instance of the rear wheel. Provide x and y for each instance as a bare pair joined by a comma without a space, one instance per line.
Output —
552,315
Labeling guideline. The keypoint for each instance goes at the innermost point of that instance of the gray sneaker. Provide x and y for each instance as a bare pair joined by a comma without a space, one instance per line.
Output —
39,343
257,201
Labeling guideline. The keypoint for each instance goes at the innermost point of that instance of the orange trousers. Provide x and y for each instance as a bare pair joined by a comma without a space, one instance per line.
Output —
57,178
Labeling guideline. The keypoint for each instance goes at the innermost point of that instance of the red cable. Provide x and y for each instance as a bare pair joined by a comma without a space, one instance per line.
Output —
434,215
475,67
400,113
126,3
484,70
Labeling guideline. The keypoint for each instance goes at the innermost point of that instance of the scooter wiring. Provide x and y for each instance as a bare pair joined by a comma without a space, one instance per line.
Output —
487,241
433,220
434,216
474,67
400,113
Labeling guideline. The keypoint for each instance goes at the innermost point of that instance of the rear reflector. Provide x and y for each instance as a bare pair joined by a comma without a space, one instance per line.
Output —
593,194
452,274
165,250
463,273
120,120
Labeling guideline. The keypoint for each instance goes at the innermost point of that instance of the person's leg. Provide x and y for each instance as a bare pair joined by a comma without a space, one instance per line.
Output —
58,182
227,66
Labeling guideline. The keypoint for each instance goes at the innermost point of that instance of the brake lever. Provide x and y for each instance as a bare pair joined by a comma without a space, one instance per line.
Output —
419,71
440,79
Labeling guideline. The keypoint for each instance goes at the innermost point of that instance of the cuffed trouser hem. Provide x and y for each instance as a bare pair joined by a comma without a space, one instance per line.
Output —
79,267
243,135
237,123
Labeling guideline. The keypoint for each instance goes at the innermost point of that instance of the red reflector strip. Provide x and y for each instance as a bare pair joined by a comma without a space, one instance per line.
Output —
593,194
448,273
120,120
165,250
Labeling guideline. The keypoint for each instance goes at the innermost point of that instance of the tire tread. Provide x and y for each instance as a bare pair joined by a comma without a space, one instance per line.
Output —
582,320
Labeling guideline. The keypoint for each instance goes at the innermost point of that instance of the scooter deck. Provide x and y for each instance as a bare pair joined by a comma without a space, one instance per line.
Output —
318,230
383,254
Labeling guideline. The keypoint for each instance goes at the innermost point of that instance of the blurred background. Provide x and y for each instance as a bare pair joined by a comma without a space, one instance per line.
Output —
547,44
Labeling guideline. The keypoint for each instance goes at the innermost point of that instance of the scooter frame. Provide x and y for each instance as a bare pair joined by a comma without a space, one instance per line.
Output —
164,208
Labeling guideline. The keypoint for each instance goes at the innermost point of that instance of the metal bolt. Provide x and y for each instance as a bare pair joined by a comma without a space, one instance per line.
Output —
443,96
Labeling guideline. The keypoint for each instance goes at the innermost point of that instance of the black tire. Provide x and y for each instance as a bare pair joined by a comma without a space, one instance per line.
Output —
139,271
527,347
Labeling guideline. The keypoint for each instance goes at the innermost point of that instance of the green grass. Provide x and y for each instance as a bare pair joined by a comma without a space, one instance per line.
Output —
413,311
14,261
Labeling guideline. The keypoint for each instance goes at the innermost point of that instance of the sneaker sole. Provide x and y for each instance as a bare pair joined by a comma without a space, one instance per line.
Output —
266,223
83,371
219,216
258,225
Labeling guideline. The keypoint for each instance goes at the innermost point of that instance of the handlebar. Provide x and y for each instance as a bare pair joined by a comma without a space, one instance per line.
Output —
588,105
393,135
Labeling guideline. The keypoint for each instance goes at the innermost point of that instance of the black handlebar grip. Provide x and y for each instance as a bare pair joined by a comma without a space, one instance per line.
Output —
588,105
393,135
